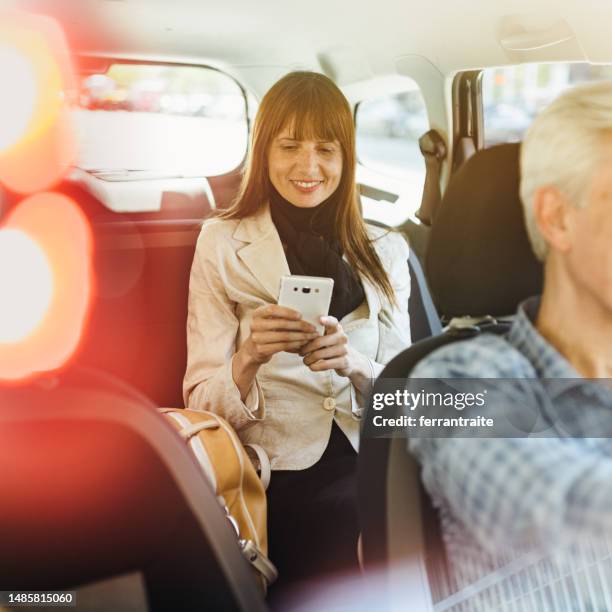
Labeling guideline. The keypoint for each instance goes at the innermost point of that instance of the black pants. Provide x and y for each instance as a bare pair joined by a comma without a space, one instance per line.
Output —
312,519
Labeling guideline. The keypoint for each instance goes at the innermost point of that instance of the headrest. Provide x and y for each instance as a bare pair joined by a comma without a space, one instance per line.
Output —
479,260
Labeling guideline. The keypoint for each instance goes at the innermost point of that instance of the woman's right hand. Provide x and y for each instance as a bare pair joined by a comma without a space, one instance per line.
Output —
274,329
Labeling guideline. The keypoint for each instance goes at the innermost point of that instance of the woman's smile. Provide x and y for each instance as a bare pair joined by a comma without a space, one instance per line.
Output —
304,172
306,186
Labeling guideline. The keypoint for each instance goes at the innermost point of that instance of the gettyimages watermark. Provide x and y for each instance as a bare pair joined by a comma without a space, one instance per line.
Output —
490,408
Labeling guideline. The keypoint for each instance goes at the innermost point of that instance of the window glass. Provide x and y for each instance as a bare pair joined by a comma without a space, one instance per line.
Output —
388,130
513,95
171,120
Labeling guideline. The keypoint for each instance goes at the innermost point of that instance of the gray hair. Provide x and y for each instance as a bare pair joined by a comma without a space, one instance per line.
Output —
562,148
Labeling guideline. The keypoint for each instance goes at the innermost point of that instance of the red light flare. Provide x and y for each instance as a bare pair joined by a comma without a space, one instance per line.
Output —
56,224
41,154
89,26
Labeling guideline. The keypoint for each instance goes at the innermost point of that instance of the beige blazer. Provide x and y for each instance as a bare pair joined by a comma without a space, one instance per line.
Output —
289,411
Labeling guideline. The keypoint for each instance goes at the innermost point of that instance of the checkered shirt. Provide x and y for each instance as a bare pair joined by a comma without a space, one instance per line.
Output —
527,520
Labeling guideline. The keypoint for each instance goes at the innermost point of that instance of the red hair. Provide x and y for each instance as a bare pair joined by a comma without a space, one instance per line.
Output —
314,109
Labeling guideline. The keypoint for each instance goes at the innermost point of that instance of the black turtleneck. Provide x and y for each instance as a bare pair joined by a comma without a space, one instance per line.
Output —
312,248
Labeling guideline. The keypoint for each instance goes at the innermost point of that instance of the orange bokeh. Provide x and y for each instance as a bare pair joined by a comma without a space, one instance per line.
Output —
61,229
48,145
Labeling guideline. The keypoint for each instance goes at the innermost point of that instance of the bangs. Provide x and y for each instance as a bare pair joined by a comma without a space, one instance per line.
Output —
310,116
311,126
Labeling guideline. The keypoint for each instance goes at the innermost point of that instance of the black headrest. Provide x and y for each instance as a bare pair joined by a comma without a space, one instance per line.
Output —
479,260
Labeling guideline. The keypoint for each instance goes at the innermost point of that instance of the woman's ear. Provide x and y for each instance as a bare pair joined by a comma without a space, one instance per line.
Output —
552,213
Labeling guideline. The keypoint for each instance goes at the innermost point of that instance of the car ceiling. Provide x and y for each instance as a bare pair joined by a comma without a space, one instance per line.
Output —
352,43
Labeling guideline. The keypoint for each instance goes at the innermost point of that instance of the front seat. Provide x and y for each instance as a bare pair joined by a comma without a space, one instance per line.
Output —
95,484
479,264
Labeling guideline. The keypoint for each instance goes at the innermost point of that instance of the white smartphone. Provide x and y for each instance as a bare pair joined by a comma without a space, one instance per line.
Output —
309,295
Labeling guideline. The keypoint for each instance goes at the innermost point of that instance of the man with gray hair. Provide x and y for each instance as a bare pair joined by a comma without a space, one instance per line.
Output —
539,508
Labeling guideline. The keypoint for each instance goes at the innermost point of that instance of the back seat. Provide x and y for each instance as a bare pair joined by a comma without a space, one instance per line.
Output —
111,490
136,330
142,261
138,506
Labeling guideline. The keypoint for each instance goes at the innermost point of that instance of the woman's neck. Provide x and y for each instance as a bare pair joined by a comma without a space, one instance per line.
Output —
316,219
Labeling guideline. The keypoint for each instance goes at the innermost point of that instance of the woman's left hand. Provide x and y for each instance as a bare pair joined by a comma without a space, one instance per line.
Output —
333,352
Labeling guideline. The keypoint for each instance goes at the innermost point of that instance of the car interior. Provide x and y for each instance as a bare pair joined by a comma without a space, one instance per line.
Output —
442,94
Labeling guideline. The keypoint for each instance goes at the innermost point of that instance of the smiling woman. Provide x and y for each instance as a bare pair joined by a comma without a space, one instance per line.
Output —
260,365
305,172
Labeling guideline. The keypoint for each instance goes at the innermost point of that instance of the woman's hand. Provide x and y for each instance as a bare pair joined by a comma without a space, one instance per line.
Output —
333,352
274,329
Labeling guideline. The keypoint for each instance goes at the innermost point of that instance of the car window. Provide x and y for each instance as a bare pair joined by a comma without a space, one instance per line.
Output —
161,119
513,95
388,130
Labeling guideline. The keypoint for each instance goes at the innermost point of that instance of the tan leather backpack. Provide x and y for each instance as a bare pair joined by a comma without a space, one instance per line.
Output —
232,475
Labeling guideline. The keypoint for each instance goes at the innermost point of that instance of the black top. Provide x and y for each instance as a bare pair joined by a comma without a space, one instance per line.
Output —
312,248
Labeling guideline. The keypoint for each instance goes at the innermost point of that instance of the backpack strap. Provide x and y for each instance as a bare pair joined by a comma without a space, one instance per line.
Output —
187,432
258,560
194,428
252,553
265,470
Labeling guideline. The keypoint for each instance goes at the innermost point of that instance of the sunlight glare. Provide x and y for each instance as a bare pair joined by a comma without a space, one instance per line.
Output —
26,285
18,102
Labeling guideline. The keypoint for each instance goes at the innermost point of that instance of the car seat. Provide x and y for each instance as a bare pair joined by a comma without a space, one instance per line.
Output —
480,265
96,484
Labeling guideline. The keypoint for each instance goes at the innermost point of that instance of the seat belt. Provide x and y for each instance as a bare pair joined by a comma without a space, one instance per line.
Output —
424,321
433,150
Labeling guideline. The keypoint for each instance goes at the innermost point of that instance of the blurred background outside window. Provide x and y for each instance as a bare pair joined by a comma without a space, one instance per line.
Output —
513,95
180,120
388,131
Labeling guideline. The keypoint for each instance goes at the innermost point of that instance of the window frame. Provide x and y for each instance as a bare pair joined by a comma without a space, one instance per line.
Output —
467,114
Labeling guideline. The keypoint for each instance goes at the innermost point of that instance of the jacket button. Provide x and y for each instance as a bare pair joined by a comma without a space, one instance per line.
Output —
329,403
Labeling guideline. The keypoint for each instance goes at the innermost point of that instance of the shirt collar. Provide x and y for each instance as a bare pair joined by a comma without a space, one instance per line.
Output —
557,376
546,360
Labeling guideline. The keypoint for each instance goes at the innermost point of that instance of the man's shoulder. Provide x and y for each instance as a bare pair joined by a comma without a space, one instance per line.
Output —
486,356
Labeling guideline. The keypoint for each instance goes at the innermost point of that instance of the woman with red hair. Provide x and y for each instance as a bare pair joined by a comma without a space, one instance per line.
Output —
258,364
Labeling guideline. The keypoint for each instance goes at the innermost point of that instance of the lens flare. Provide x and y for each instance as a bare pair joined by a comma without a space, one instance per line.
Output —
26,285
37,138
19,101
46,274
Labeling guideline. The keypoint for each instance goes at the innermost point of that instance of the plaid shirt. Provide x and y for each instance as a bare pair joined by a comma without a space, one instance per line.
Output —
534,513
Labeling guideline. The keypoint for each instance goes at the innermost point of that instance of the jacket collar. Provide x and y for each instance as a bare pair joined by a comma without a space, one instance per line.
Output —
265,258
263,254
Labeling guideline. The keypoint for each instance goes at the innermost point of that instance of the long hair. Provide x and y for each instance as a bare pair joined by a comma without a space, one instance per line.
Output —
315,109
